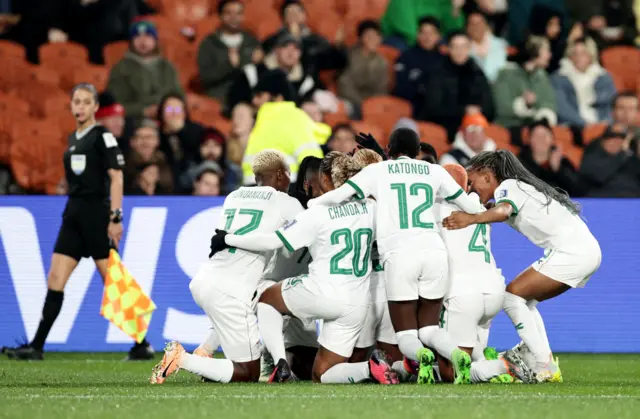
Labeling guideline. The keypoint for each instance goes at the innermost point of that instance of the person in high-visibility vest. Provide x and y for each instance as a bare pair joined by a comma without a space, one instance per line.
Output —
279,125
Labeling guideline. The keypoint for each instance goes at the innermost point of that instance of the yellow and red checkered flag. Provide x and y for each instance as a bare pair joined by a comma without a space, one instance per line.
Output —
123,301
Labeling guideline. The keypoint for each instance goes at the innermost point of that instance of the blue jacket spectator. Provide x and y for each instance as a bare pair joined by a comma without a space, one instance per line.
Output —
584,90
489,51
415,64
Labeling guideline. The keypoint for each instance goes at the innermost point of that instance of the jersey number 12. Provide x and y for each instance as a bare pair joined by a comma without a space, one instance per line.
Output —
353,242
414,190
254,222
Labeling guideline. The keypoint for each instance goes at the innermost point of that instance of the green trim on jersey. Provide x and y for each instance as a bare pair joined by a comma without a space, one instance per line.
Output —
285,242
510,202
359,192
455,195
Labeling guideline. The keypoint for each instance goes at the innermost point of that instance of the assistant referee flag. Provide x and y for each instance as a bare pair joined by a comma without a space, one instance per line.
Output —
123,302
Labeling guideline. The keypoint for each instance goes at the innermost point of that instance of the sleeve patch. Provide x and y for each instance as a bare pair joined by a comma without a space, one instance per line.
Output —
502,193
109,140
120,159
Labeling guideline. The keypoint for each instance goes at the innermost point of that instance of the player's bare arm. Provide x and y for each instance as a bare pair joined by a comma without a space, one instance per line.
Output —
498,214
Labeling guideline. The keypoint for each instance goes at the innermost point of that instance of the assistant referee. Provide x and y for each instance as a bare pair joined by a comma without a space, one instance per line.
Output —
92,217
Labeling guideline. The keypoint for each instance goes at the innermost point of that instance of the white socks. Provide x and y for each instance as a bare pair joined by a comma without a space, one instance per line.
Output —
211,343
409,344
483,371
346,373
270,323
524,319
438,339
220,370
403,375
542,331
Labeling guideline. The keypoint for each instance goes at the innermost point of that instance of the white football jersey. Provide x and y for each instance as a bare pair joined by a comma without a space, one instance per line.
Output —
339,239
472,267
254,209
548,226
406,190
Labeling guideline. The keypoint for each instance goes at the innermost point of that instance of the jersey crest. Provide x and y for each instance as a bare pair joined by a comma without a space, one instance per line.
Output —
78,163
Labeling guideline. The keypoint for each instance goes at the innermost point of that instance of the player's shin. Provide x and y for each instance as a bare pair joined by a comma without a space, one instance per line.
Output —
524,321
270,324
219,370
438,339
542,331
210,344
483,371
346,373
409,344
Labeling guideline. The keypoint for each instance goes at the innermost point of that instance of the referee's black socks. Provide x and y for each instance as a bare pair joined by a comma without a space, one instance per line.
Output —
50,311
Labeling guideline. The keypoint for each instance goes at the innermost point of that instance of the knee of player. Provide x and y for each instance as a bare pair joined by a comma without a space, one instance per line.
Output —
56,281
246,371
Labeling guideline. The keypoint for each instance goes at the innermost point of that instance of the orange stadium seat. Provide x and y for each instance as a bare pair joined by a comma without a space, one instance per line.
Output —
56,105
95,74
563,136
624,63
435,135
11,105
200,103
385,111
68,52
36,94
501,137
187,12
391,54
14,72
591,132
367,127
574,154
45,75
224,125
114,52
7,122
365,9
264,28
327,28
11,49
206,27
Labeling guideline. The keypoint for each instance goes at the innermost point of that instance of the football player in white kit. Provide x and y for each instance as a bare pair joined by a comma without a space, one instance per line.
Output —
413,253
226,284
550,220
336,290
475,295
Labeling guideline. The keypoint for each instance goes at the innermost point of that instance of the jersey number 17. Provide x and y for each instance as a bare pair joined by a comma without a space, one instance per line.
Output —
253,224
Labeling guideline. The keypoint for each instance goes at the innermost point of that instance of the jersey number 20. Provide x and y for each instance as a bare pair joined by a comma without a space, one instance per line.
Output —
254,222
353,242
414,190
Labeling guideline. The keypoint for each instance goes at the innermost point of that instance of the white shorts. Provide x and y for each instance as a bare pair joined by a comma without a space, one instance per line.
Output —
411,274
467,318
377,325
234,320
571,269
342,322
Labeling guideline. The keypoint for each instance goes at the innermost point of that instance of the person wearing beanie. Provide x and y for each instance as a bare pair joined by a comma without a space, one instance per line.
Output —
470,140
143,76
367,74
285,57
279,125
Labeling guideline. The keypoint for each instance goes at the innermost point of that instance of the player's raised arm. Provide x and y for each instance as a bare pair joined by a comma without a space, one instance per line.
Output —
360,185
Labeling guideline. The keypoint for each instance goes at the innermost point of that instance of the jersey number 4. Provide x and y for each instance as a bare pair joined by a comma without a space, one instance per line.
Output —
414,190
480,233
353,243
253,224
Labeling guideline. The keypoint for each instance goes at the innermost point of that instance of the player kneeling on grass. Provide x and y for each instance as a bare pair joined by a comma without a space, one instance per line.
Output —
475,295
336,290
226,284
550,220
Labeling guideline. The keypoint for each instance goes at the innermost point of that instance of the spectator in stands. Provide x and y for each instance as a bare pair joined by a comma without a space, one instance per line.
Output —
367,74
489,51
519,18
111,115
416,64
523,91
547,22
286,57
400,21
428,153
313,110
584,90
317,52
179,136
144,150
625,111
242,120
222,54
609,22
207,183
147,180
38,23
143,76
470,140
457,88
545,159
212,150
609,165
343,139
279,125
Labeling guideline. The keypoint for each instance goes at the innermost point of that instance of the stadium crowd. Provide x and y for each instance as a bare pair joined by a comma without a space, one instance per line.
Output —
188,85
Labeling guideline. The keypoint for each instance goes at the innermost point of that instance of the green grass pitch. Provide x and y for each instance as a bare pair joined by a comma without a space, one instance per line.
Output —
92,386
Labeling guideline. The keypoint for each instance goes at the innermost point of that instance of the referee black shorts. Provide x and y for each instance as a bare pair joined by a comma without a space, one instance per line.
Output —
84,230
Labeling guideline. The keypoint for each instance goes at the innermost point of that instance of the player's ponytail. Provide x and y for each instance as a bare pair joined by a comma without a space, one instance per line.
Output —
505,165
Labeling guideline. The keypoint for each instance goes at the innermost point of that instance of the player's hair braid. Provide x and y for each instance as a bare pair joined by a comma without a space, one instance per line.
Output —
364,157
342,169
505,165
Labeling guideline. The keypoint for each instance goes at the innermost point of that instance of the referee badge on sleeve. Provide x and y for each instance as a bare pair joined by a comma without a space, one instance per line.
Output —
78,163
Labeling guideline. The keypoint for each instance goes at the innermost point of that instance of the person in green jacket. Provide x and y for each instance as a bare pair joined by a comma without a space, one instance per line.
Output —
523,92
279,125
143,76
402,17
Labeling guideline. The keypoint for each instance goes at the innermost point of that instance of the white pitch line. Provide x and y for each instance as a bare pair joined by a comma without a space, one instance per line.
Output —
327,396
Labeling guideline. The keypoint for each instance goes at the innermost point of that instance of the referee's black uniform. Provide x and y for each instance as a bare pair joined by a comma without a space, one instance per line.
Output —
86,217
